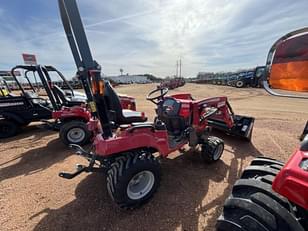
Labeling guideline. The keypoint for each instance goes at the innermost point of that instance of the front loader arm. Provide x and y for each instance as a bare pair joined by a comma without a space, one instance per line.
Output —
224,113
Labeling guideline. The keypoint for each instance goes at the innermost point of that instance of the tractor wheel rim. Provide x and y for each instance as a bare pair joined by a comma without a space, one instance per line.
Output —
218,152
240,84
76,135
140,185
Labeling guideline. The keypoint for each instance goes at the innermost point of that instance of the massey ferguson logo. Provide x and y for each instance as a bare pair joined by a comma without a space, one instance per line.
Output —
11,104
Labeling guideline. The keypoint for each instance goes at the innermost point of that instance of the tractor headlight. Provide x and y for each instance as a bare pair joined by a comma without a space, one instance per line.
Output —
304,164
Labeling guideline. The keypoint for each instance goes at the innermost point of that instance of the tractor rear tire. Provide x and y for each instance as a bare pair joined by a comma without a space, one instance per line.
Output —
263,167
266,161
75,132
212,149
239,84
254,171
253,205
133,179
8,128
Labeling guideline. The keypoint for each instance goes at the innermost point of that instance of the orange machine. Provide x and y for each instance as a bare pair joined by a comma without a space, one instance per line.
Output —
289,70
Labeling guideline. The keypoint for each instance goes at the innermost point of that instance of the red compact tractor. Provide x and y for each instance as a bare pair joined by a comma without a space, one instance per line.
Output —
71,114
272,195
126,153
72,120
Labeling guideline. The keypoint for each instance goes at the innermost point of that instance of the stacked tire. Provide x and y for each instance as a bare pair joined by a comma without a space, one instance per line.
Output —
254,206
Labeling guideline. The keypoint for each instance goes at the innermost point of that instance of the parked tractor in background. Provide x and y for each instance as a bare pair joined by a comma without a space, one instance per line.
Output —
271,195
249,78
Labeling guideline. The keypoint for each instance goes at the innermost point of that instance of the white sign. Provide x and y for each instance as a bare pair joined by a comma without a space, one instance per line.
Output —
29,59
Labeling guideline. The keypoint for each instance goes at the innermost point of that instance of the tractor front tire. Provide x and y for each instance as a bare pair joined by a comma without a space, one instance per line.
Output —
8,128
239,84
133,179
75,132
212,149
253,205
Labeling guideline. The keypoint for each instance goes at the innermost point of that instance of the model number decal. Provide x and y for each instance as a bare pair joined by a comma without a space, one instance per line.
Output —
221,104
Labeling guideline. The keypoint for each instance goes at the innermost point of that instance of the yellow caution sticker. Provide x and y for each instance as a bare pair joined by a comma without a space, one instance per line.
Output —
92,106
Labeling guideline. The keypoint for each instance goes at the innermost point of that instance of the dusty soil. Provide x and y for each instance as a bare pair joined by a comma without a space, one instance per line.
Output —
33,197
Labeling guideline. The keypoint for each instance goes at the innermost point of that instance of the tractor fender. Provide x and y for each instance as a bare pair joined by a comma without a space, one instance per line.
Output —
137,138
74,113
13,116
78,118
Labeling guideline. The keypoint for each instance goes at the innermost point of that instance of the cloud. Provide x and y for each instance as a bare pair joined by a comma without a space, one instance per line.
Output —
149,36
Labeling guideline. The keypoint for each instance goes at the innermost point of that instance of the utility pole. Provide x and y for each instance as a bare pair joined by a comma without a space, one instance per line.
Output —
177,67
180,68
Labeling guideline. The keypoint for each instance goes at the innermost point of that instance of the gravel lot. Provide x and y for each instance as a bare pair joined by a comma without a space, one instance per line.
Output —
33,197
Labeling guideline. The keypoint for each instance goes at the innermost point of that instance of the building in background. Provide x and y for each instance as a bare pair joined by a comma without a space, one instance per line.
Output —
127,79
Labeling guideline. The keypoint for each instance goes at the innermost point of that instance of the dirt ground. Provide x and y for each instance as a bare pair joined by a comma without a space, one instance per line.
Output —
33,197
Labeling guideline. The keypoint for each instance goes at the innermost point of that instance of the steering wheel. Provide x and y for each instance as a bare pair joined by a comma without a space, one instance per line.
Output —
156,99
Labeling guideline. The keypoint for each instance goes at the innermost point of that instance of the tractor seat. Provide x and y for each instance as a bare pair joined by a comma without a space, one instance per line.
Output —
158,125
36,99
12,95
66,100
129,113
129,117
119,115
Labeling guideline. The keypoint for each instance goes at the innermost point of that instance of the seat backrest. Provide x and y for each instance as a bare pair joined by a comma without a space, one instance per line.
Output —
113,102
33,97
60,93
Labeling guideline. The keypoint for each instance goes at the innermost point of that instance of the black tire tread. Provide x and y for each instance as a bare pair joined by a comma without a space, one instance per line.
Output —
117,173
253,171
208,148
275,208
262,216
246,187
266,161
14,128
253,205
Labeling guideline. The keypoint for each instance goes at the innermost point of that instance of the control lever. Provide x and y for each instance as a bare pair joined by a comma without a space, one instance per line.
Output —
211,111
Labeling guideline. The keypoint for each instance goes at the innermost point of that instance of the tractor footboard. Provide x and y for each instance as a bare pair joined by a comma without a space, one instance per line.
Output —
243,126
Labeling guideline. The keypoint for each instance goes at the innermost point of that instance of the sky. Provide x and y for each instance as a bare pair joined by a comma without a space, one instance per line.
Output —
142,36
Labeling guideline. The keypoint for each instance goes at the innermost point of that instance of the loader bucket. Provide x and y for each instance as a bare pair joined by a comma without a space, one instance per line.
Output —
243,126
